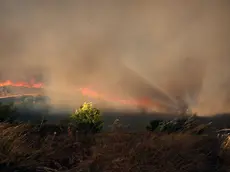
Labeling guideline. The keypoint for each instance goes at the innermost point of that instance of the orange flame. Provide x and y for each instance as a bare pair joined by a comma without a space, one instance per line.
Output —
143,102
21,84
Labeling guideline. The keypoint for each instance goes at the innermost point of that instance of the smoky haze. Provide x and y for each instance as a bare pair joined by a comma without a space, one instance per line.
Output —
180,48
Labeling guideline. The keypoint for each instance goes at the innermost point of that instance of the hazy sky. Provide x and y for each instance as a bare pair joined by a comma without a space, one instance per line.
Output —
180,46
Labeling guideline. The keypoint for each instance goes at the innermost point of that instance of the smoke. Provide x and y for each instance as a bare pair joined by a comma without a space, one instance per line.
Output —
180,48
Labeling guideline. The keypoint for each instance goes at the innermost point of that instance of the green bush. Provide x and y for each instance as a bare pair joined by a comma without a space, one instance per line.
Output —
154,125
171,126
87,119
7,112
183,124
27,101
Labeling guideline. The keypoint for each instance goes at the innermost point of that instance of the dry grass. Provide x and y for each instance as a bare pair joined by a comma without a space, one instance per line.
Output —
148,152
25,150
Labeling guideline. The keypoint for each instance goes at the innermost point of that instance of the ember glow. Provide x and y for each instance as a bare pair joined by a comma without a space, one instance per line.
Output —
142,102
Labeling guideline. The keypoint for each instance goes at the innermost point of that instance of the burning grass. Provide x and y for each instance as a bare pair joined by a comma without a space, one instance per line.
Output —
37,88
24,149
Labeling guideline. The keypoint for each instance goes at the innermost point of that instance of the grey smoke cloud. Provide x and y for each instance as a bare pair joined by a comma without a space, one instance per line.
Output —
180,47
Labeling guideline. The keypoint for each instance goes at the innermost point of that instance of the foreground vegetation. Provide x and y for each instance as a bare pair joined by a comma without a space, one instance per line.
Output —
77,144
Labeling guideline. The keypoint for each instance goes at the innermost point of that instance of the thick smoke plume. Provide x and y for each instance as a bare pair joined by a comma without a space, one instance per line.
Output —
178,47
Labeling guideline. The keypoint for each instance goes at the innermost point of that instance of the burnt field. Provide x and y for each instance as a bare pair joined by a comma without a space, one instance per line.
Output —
26,148
35,107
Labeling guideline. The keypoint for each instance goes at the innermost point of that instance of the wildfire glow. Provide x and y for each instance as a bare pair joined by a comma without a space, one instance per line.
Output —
31,84
143,102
